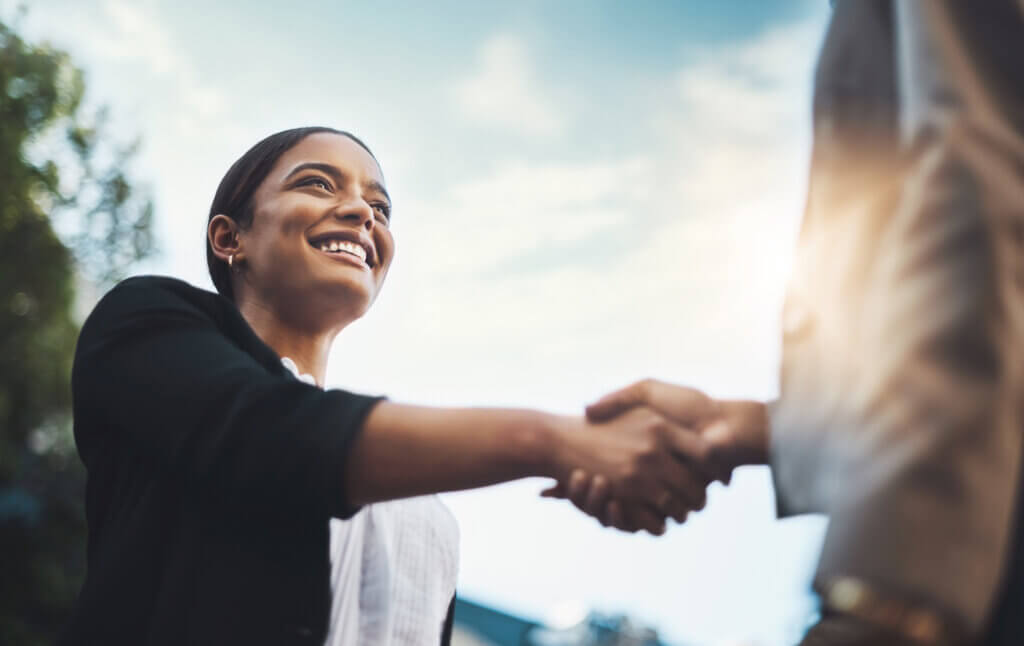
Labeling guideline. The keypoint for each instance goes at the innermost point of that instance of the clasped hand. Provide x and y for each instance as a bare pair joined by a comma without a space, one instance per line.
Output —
648,452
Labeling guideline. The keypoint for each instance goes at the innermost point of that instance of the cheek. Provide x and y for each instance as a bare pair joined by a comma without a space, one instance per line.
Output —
282,225
386,248
293,224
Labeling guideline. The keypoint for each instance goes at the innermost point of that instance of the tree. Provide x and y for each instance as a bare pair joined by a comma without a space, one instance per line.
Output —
60,171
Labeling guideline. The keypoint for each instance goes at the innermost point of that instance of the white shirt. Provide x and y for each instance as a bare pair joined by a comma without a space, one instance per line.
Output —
393,570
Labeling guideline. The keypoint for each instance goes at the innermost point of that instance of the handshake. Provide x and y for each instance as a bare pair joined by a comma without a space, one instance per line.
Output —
648,452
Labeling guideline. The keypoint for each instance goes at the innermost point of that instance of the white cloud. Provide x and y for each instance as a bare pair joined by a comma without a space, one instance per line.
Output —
126,35
521,209
504,92
138,35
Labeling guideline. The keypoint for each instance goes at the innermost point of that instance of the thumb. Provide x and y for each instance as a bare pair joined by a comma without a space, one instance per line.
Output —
554,491
615,403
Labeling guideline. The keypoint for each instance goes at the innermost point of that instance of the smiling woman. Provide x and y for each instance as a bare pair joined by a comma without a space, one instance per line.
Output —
231,499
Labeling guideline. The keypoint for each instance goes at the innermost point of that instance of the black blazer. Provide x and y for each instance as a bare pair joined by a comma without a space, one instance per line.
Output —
212,474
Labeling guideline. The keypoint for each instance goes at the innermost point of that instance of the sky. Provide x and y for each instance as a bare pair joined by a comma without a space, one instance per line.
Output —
585,194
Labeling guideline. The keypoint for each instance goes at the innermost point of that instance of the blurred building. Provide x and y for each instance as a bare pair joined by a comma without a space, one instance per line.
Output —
479,625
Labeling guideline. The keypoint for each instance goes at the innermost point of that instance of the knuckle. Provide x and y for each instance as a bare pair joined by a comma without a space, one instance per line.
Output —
649,463
713,451
632,476
648,385
702,451
657,426
654,419
649,447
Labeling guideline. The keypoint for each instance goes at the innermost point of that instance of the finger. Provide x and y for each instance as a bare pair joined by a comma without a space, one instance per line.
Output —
647,519
635,518
683,404
674,507
597,499
687,487
696,452
617,518
579,483
554,491
616,403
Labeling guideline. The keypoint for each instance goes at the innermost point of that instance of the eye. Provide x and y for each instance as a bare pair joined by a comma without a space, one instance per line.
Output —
382,210
317,181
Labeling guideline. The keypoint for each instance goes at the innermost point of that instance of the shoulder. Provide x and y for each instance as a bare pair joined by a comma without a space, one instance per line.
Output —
161,288
145,301
143,293
152,307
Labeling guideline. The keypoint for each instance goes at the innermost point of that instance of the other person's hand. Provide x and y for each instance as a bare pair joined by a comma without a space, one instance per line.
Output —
736,431
640,459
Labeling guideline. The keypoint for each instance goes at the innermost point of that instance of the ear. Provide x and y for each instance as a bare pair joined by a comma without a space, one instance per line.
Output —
222,233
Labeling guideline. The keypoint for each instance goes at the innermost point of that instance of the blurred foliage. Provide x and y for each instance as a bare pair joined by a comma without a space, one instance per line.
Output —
61,170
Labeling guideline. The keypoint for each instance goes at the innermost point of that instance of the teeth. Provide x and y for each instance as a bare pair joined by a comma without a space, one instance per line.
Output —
354,249
335,246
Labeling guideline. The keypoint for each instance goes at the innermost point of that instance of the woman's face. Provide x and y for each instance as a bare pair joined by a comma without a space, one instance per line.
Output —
319,246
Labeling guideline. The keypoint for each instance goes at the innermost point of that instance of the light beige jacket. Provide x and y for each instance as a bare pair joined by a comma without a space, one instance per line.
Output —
902,385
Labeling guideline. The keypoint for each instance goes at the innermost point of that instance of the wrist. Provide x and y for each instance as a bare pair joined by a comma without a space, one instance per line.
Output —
749,423
543,443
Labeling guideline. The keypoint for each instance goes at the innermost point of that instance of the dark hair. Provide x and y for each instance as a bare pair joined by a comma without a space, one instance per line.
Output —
234,194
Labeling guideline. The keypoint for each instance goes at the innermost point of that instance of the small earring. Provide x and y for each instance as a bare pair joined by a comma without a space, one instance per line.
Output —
231,261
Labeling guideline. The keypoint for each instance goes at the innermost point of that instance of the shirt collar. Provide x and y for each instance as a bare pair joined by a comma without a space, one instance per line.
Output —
294,369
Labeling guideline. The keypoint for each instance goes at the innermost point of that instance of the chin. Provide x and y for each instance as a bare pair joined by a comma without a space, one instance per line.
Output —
347,300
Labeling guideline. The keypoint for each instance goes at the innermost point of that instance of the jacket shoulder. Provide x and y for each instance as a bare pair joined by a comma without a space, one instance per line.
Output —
162,286
146,305
158,293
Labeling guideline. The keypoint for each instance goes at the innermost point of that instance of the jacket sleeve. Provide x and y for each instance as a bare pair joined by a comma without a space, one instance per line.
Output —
157,380
917,462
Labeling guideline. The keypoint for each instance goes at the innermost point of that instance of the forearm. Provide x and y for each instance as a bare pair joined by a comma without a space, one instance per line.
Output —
408,450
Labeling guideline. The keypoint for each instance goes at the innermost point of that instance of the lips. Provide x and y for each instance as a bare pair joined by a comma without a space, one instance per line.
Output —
345,242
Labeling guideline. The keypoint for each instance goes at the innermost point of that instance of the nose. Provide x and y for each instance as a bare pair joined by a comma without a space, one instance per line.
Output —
356,212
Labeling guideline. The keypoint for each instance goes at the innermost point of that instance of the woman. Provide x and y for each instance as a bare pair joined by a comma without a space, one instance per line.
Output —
214,471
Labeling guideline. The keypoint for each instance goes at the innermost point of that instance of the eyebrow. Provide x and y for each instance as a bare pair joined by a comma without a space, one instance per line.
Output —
337,176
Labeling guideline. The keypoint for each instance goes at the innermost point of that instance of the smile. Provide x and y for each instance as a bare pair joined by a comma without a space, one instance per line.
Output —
342,246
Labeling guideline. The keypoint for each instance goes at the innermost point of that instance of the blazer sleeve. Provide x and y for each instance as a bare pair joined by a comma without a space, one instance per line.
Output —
918,464
156,379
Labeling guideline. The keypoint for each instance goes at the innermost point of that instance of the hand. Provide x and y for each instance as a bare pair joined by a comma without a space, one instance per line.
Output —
734,432
641,460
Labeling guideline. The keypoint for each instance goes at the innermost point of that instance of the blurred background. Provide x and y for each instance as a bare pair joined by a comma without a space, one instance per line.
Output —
586,193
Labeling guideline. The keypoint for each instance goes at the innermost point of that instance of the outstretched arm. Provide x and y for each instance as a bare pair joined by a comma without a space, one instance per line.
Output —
409,450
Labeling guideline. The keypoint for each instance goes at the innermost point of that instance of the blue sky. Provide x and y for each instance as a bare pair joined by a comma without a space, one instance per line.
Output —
586,193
